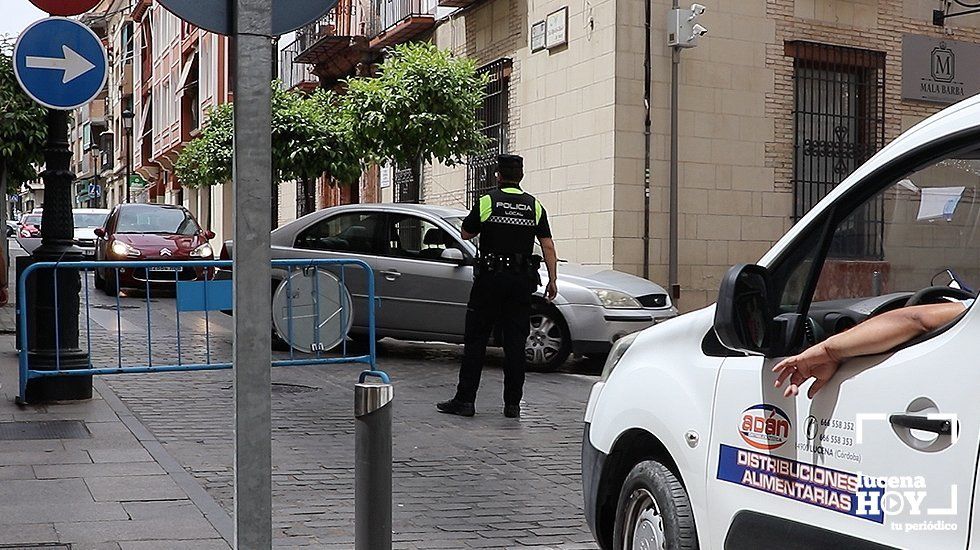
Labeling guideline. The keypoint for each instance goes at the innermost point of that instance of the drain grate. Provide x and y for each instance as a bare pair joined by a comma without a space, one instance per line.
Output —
56,429
35,545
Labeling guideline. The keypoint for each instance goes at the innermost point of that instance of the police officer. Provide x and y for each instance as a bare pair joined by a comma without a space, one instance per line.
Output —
507,221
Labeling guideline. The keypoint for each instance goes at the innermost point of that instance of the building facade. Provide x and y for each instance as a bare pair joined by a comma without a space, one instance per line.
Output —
779,102
180,72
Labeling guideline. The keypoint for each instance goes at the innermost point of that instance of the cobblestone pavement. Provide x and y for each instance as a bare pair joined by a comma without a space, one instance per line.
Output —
482,482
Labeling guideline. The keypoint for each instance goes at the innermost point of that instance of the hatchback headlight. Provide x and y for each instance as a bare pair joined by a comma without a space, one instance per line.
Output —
123,250
203,251
618,350
614,299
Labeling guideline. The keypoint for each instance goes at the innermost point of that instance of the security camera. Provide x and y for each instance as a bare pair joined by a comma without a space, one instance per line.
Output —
698,30
698,9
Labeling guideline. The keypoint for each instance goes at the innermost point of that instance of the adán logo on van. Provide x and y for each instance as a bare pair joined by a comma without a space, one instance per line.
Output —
765,427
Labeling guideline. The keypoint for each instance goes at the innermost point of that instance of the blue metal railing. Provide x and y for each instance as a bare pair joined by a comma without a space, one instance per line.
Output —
214,298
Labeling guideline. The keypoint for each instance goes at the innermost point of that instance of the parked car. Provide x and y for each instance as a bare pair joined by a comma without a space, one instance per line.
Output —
29,234
13,226
688,443
424,273
148,232
87,220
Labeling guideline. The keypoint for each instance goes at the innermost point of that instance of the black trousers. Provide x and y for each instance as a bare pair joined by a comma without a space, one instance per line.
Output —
497,300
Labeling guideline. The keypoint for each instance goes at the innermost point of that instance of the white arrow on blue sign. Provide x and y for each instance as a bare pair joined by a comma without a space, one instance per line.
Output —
60,63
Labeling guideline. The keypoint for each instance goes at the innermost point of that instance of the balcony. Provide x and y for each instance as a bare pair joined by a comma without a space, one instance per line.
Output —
334,46
394,22
293,75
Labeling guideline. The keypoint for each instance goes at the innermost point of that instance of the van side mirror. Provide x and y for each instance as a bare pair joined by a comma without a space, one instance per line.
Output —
744,313
99,232
747,317
454,255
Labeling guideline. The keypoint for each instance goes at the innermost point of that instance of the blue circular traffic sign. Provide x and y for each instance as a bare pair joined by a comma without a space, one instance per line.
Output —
60,63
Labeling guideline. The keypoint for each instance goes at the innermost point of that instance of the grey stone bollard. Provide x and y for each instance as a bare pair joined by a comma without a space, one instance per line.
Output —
372,466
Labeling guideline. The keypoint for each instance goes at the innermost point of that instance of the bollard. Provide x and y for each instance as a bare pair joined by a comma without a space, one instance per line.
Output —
876,283
372,466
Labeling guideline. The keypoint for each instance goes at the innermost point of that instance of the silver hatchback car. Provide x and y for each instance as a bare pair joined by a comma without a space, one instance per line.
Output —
424,272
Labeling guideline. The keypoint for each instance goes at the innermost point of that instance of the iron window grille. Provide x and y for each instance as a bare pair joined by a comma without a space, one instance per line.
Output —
404,187
839,111
305,197
494,118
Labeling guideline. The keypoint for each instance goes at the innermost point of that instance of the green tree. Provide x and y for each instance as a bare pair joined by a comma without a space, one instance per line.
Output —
309,137
421,107
23,127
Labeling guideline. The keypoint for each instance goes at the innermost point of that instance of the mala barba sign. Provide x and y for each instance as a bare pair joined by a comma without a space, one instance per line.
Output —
939,70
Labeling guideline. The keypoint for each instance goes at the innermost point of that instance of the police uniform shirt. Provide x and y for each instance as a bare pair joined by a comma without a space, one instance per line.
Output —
507,221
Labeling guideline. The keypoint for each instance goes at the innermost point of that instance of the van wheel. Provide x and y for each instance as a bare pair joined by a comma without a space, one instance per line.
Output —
549,342
654,511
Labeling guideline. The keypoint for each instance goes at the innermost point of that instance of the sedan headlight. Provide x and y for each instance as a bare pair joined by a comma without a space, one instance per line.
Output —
618,350
614,299
203,251
123,250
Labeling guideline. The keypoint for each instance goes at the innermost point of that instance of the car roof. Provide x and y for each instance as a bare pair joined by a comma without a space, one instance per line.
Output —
128,205
90,211
408,208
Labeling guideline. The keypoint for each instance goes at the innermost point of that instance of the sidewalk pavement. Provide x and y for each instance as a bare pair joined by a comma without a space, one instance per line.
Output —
103,483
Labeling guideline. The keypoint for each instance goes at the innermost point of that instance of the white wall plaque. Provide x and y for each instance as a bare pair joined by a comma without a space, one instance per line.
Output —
557,28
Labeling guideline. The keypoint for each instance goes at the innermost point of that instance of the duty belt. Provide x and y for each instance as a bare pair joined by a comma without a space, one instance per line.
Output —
514,263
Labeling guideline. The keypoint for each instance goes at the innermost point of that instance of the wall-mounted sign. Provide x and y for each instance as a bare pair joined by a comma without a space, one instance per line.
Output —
538,36
385,176
939,70
557,28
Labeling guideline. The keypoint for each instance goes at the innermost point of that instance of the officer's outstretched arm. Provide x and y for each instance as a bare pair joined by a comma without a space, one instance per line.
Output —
550,260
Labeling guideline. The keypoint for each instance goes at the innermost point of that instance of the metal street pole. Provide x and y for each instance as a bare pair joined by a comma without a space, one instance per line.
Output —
672,260
53,295
129,161
252,173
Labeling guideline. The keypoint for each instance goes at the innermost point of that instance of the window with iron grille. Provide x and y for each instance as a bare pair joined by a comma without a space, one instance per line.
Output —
404,186
839,124
493,115
305,197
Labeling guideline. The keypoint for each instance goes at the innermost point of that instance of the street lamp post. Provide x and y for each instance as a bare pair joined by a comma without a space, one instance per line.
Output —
53,299
127,122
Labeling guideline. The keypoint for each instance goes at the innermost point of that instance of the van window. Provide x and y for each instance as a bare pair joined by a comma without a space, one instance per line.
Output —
924,230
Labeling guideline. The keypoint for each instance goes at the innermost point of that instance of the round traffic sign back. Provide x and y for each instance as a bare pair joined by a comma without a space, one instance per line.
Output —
66,7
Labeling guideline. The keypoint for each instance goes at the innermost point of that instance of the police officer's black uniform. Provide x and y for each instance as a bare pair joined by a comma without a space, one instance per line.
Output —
507,220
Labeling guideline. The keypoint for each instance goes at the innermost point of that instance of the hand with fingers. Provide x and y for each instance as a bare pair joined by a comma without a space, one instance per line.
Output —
817,362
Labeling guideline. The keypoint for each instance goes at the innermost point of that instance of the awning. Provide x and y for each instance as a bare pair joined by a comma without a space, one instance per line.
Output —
186,80
145,118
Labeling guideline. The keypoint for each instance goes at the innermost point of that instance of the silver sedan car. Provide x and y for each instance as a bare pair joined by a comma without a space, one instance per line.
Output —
424,272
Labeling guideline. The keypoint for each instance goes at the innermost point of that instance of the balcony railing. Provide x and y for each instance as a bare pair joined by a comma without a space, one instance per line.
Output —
342,20
408,17
292,74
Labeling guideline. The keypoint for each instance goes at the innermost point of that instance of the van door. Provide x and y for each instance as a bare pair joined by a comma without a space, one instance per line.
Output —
885,455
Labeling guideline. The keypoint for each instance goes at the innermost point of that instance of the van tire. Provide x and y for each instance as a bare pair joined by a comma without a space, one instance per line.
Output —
654,506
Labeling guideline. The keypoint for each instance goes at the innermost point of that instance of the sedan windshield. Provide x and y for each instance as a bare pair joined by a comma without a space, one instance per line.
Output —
156,220
84,220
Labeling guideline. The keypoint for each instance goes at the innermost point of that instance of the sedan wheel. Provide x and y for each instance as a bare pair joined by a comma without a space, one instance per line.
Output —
548,343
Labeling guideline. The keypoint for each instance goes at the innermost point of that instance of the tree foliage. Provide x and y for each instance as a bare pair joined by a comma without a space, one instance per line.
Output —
23,126
310,136
421,107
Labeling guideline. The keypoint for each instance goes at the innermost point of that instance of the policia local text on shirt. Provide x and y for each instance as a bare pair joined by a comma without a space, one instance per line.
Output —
507,221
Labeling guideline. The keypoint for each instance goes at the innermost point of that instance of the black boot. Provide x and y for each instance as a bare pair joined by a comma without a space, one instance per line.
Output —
456,407
512,411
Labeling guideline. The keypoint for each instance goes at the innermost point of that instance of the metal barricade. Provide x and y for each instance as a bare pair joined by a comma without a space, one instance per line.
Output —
206,290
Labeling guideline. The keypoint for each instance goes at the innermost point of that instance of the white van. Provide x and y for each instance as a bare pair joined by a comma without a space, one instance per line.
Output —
689,445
